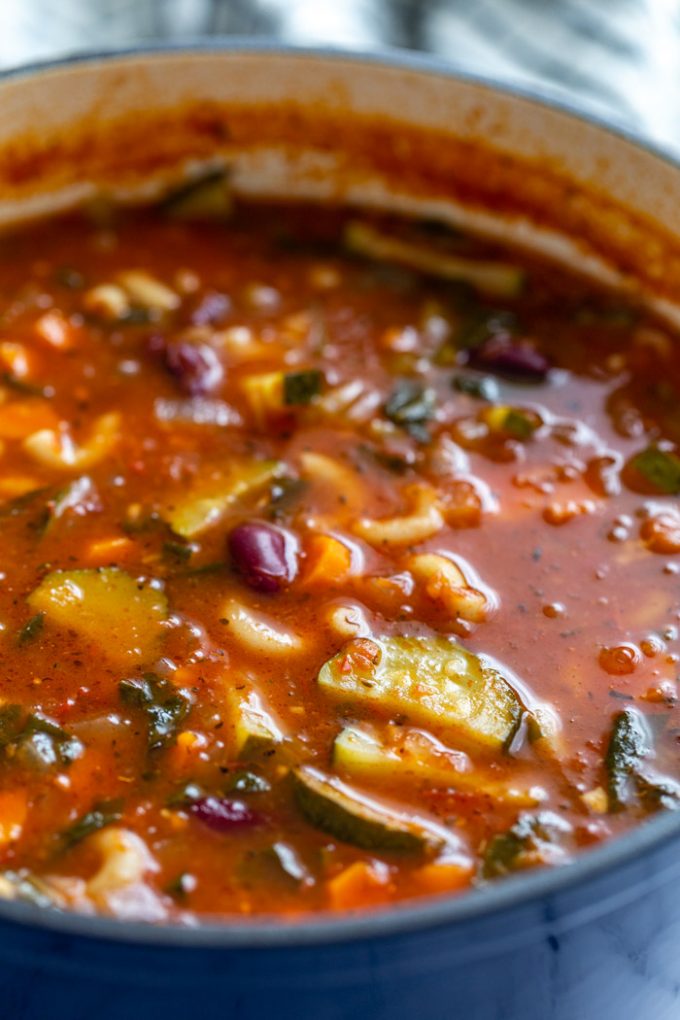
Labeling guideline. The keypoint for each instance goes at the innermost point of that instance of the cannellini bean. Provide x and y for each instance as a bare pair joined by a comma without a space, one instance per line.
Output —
125,860
118,887
445,582
56,449
424,521
145,290
257,633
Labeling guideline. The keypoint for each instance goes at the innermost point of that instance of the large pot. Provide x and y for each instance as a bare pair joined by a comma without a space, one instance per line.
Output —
598,938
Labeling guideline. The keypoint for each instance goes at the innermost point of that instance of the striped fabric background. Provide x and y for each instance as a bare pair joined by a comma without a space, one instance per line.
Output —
621,57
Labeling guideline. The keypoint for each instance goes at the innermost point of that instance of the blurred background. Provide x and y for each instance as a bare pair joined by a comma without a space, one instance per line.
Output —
617,57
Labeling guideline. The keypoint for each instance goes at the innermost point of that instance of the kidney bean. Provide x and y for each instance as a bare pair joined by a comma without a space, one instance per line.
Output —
196,366
224,815
509,357
265,556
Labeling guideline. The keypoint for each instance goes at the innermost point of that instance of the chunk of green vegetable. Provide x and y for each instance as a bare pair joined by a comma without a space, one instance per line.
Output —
331,805
497,278
432,680
253,728
410,405
210,499
207,197
164,706
122,616
300,387
660,469
105,813
32,741
629,745
483,387
630,781
531,841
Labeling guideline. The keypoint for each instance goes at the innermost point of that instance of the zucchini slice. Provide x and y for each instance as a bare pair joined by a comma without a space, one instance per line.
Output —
498,279
431,680
106,606
210,499
331,805
254,728
418,758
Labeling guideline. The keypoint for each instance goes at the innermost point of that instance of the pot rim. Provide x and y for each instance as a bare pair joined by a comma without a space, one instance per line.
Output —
410,916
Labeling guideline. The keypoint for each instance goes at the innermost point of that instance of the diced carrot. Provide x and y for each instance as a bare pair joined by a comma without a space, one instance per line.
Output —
442,878
328,561
181,758
362,884
13,811
21,418
110,550
55,330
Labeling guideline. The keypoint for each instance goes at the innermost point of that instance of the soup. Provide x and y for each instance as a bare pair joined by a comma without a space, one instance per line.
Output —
340,561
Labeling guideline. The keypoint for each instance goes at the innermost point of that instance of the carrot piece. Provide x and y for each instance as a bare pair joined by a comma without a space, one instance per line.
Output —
362,884
109,550
16,359
13,811
442,878
21,418
181,758
328,561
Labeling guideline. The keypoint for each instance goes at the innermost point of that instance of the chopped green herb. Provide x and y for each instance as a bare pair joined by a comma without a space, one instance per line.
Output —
26,388
105,813
483,387
164,705
181,551
660,468
301,387
410,405
31,630
482,325
519,425
34,741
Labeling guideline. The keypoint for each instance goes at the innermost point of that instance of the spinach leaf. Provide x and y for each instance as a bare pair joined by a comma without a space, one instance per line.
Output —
32,629
163,705
300,387
410,405
483,387
105,813
532,840
34,741
630,781
659,468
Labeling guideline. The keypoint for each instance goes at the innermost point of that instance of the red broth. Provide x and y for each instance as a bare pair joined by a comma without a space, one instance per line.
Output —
340,563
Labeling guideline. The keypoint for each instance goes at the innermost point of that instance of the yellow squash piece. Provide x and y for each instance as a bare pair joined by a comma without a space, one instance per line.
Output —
106,606
433,681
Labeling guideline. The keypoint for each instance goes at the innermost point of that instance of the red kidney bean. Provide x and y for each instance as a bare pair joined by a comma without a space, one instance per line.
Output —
196,366
265,556
507,357
224,815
